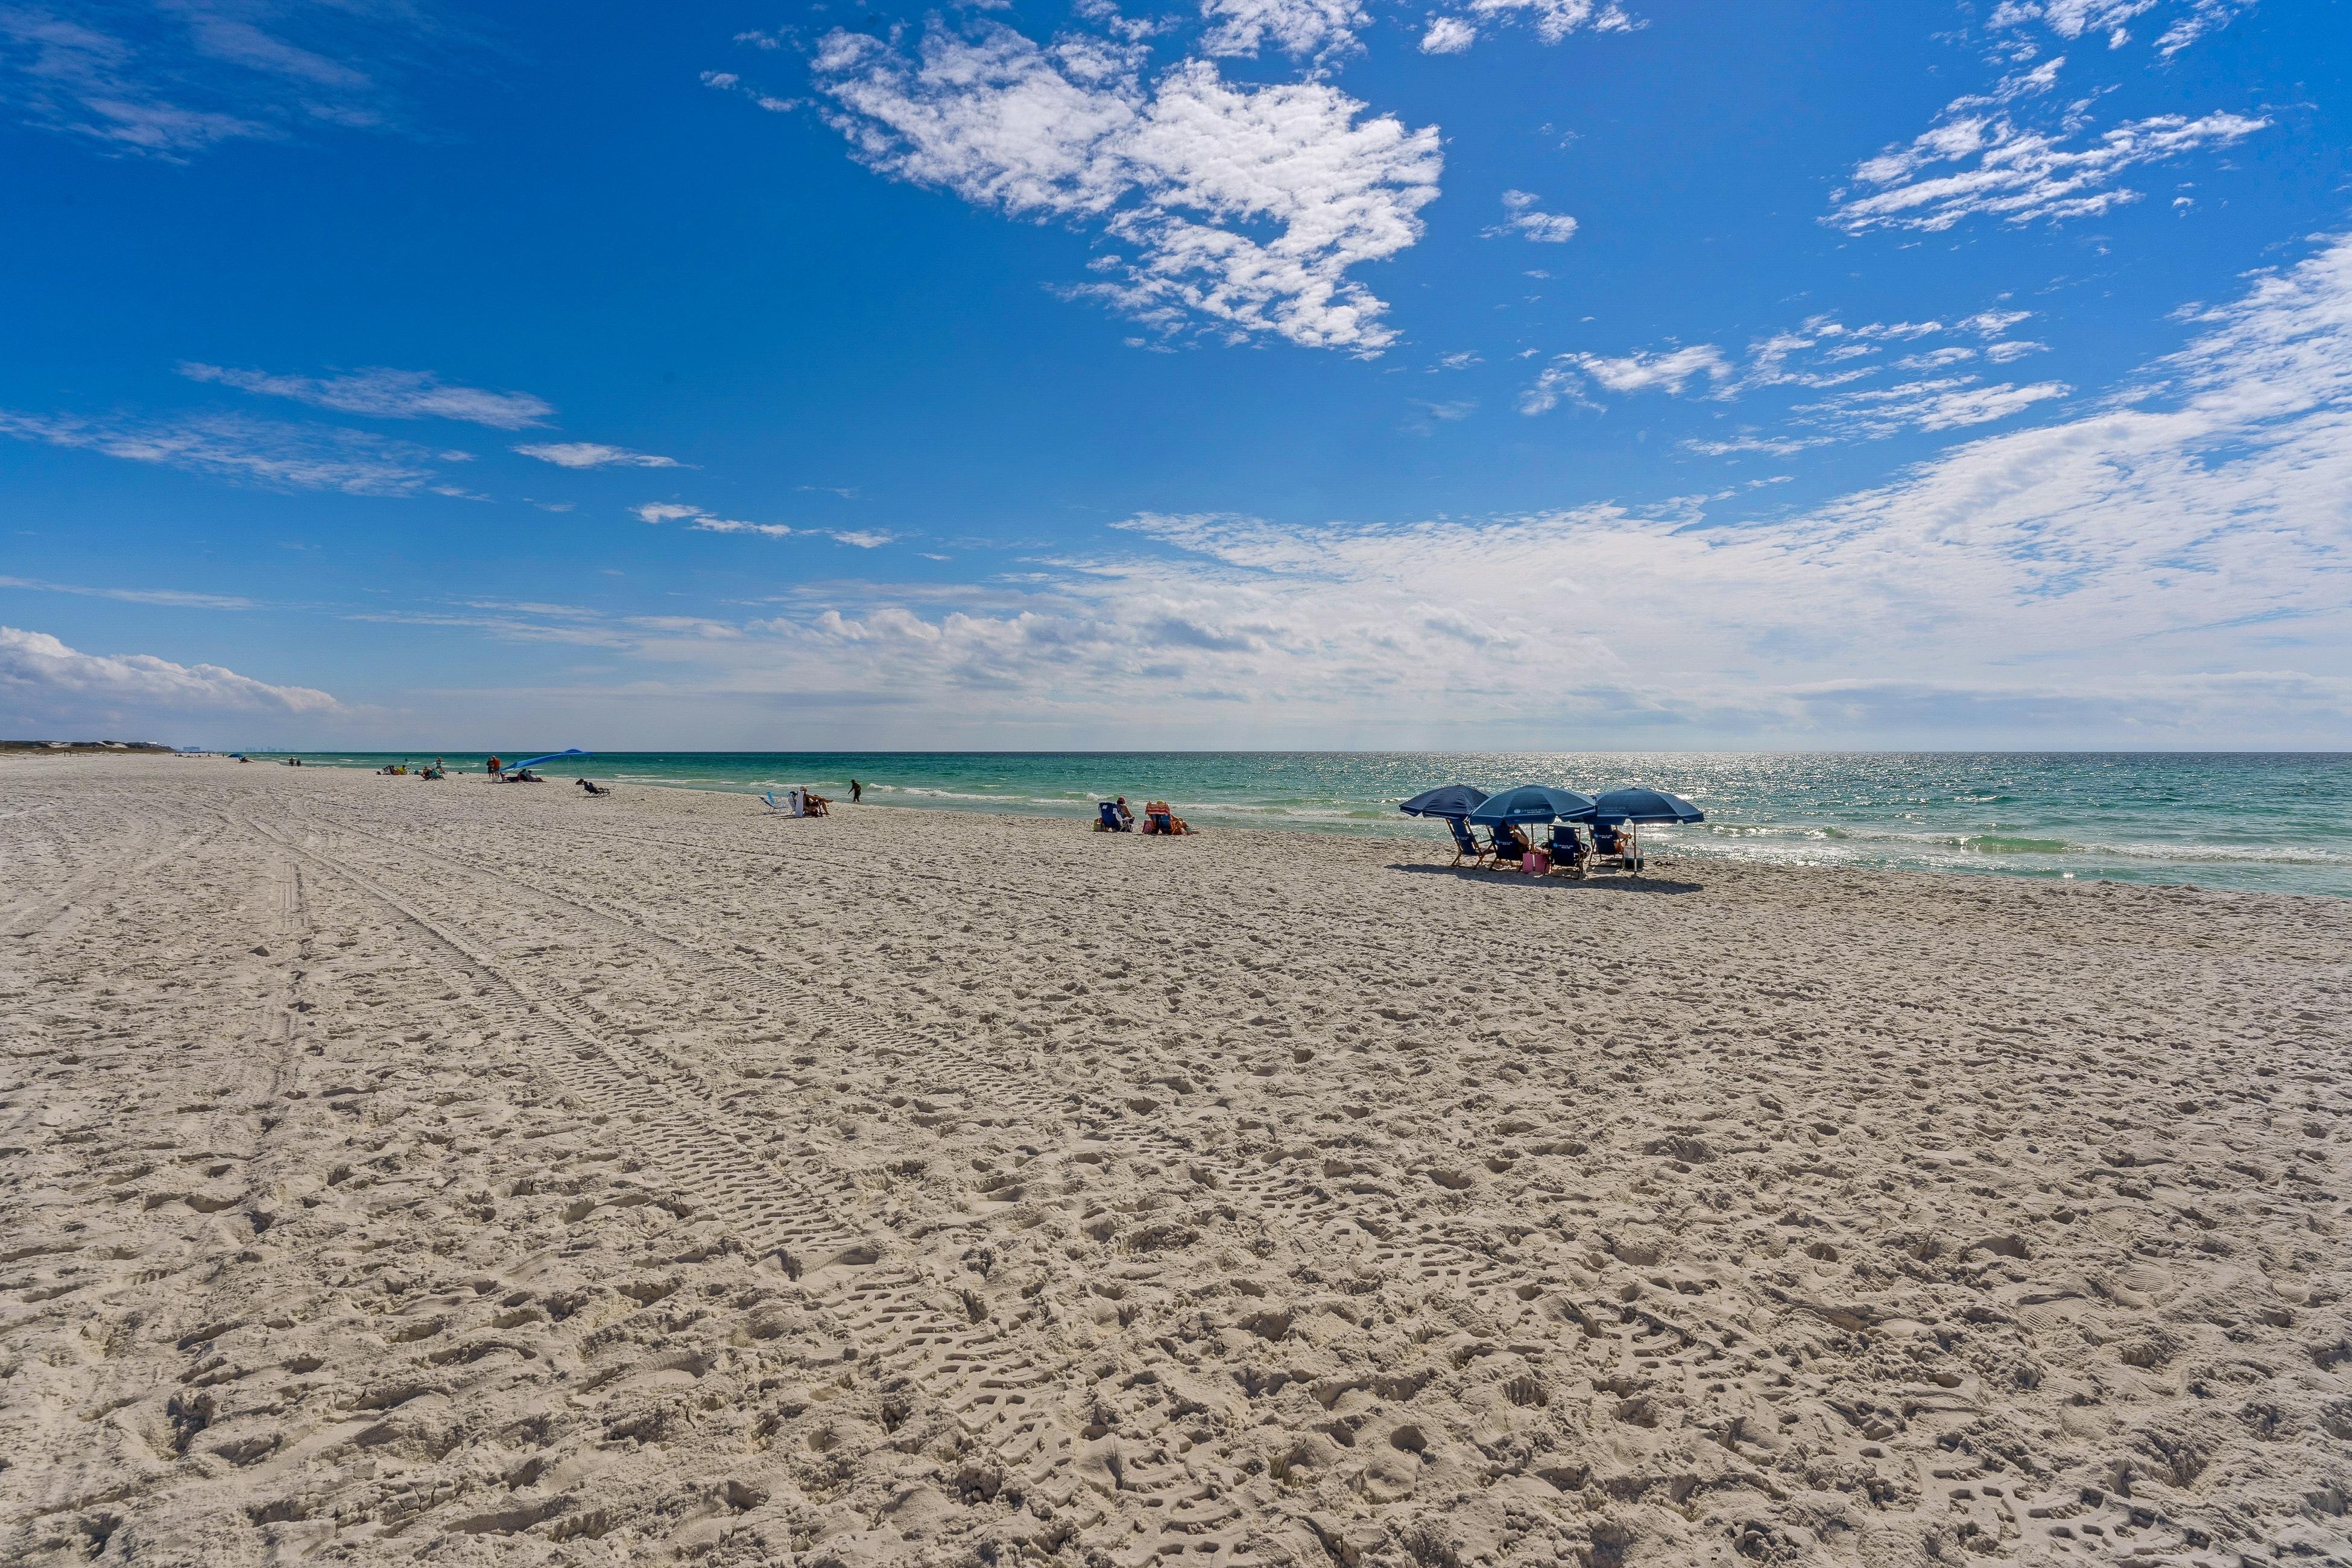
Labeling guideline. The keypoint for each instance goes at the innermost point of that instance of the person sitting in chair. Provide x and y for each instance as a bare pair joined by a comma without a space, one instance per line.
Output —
813,802
590,787
1617,839
1159,819
1509,842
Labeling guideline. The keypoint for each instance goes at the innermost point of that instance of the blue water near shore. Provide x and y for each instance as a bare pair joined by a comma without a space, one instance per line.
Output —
2267,823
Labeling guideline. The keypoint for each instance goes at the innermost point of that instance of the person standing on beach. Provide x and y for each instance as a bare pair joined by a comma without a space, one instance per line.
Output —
856,792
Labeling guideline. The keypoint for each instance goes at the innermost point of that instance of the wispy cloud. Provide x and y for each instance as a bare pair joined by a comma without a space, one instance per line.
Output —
174,80
1945,403
701,521
40,675
594,454
1244,207
1667,370
2112,20
174,598
1450,33
1522,218
250,451
1977,161
1823,355
382,392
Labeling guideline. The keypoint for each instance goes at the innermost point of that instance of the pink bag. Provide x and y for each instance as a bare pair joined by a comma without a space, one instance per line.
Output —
1535,862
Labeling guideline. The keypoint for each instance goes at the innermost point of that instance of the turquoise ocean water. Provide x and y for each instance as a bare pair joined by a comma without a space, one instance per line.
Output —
2267,823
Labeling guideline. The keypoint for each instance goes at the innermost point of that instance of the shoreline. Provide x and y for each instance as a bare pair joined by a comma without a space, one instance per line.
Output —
1381,830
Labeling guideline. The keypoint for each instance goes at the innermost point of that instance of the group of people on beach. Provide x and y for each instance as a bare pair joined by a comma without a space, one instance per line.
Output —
1113,816
1565,849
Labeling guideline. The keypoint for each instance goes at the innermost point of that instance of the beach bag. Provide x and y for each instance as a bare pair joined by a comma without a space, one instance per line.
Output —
1535,862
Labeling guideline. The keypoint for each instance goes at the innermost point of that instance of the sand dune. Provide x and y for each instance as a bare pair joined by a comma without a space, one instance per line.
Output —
402,1170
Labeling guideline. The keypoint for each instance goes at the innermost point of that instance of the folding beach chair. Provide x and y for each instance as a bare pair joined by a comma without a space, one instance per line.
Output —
1609,842
1566,850
788,806
1107,817
1466,843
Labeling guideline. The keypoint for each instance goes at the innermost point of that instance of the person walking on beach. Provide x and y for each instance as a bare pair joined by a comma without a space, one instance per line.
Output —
856,792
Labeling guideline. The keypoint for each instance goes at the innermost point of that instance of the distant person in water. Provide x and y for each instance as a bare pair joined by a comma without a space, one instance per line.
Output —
856,792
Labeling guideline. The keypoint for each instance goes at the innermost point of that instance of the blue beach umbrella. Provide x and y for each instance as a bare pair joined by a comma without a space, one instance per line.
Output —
1534,802
1445,800
550,757
1645,805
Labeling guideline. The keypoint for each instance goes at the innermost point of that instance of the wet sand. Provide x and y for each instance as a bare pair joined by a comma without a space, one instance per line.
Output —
397,1170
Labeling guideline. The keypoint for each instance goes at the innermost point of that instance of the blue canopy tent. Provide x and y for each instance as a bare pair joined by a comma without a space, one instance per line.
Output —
1445,800
1643,805
1534,802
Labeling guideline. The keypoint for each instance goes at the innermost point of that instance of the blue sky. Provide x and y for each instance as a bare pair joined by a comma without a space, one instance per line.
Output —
1278,373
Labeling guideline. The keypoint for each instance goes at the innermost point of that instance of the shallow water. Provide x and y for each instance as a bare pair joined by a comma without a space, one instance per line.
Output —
2261,821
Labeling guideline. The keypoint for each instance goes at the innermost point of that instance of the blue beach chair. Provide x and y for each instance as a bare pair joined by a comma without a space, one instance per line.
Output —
1107,817
1466,843
1566,850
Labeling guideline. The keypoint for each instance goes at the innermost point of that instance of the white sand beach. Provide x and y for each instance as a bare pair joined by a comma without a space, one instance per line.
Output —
400,1171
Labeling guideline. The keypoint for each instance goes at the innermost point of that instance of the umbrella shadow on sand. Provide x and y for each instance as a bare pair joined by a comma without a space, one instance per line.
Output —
1527,884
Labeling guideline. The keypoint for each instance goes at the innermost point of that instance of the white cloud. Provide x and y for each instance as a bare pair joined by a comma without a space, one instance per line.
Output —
1669,371
251,451
2111,19
1943,404
594,454
1821,355
1555,19
385,393
701,521
1522,218
1448,36
1655,372
660,512
1297,27
41,675
1976,161
731,525
1991,323
1245,207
